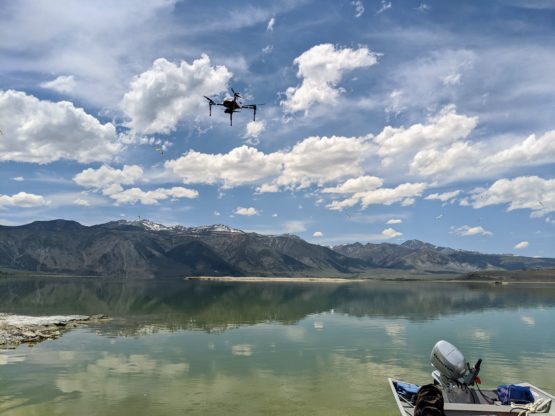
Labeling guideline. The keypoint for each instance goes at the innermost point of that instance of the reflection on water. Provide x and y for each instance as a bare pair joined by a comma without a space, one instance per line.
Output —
221,348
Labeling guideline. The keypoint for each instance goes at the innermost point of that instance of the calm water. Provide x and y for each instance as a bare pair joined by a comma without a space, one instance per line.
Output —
204,348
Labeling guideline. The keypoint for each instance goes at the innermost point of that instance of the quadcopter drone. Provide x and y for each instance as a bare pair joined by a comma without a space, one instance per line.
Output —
233,105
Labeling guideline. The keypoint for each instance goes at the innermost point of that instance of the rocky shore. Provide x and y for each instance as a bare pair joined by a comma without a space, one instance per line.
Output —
20,329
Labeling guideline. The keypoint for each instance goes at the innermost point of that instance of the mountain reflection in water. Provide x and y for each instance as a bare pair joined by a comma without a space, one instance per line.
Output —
219,305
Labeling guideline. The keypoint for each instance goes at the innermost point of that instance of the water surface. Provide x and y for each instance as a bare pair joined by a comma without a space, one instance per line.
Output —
208,348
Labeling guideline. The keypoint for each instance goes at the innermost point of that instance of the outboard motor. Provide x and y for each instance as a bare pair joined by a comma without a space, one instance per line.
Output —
451,367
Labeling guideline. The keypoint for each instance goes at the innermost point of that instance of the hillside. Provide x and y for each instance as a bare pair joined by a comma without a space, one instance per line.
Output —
417,255
143,249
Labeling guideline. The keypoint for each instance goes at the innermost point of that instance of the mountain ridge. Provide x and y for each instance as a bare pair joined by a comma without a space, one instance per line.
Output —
144,249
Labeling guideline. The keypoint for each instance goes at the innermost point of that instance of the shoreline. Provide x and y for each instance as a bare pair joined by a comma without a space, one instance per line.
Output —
259,279
24,329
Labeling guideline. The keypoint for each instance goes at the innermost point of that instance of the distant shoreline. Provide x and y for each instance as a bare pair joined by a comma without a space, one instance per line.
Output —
259,279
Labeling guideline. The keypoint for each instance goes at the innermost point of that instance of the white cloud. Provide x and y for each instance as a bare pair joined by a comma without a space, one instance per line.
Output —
391,233
64,84
217,213
532,151
400,144
446,196
525,192
18,178
360,184
248,212
403,193
386,5
522,245
323,159
22,200
270,25
394,221
466,231
162,96
359,7
314,160
82,202
318,234
242,165
321,68
267,188
44,131
266,50
134,195
254,129
107,178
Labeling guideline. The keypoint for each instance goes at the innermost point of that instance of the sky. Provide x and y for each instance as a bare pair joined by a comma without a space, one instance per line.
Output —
383,121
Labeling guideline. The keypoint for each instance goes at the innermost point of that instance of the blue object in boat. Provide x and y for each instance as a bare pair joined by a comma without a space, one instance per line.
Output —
406,390
511,393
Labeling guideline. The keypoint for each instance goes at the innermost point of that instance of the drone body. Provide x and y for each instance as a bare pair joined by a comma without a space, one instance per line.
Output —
232,105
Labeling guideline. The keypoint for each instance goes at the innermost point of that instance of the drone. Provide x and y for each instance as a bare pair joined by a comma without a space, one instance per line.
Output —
233,105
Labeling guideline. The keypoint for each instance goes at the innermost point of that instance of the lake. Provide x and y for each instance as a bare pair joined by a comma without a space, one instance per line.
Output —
210,348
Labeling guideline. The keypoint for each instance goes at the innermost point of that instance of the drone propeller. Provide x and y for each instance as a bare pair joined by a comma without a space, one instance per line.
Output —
235,94
210,100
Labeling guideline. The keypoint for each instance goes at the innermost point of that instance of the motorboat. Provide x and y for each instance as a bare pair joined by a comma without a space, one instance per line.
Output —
459,393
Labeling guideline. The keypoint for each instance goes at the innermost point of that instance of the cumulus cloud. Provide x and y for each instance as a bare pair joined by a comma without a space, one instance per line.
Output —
524,192
391,233
134,195
248,212
353,185
466,231
109,181
400,144
314,160
446,196
359,7
403,193
323,159
22,200
44,131
521,245
82,202
318,234
531,151
394,221
107,178
254,129
242,165
321,68
162,96
64,84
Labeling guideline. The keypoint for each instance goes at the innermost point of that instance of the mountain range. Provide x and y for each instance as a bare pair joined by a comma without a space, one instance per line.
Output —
144,249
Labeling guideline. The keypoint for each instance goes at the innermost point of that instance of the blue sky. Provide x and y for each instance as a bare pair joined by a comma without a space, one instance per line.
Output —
383,120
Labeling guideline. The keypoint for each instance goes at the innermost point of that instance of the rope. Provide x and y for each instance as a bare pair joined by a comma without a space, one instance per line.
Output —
539,406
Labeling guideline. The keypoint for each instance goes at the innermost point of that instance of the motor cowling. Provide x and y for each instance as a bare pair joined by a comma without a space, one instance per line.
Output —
449,361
